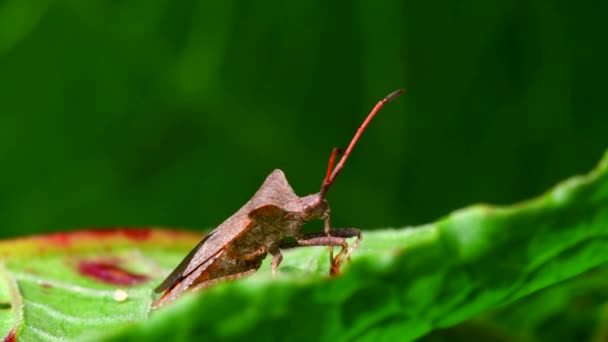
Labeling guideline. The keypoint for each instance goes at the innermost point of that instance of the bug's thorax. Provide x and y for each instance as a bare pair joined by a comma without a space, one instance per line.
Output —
313,207
303,210
276,190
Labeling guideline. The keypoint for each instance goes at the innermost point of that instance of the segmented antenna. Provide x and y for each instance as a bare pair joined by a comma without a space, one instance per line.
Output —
332,174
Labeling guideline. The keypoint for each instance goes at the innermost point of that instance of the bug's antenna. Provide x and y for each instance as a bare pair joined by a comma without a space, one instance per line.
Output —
330,165
332,174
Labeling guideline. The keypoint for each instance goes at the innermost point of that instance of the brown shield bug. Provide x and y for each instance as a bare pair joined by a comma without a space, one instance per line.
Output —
237,247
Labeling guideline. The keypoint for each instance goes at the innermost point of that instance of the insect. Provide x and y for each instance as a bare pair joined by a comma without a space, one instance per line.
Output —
237,247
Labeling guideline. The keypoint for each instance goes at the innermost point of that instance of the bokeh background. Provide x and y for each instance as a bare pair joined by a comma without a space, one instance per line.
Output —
164,113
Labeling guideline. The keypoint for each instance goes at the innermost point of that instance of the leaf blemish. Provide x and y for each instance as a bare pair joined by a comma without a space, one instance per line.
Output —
5,305
11,337
109,272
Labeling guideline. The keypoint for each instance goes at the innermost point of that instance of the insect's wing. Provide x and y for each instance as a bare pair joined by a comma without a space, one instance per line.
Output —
275,189
183,281
215,242
267,214
178,272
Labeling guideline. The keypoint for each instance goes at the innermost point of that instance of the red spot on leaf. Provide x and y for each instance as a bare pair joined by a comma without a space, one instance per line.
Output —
110,272
11,337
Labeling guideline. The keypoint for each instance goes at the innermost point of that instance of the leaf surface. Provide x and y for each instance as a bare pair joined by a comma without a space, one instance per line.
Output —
60,286
403,283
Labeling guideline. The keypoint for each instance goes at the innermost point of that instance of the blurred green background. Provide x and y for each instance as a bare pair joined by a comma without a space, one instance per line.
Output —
164,113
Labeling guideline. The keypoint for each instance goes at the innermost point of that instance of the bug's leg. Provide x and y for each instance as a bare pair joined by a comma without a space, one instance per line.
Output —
277,257
337,237
315,239
320,239
341,233
345,253
327,229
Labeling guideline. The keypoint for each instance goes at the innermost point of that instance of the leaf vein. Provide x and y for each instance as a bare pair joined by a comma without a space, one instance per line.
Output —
85,291
51,311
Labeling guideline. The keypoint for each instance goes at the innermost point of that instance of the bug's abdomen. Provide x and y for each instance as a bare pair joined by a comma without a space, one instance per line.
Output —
226,266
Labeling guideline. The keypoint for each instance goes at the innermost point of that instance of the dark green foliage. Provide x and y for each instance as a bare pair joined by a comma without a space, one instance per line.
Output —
172,113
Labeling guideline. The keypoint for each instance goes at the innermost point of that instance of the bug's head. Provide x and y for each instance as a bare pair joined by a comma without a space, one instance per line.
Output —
314,207
332,172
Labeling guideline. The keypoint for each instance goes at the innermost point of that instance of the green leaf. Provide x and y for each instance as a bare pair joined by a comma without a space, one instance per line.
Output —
400,285
404,283
60,286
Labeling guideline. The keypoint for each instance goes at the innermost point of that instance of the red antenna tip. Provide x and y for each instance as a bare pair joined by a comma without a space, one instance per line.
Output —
390,97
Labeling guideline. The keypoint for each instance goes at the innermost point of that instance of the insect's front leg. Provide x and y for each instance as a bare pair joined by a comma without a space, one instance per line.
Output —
327,229
345,253
334,237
